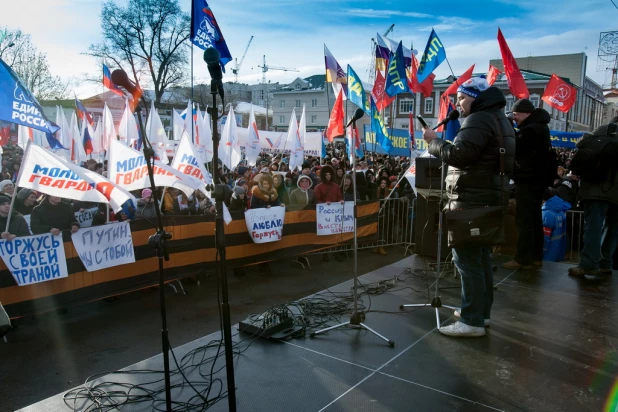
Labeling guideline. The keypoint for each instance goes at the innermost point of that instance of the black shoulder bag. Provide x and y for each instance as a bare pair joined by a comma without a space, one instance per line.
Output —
479,226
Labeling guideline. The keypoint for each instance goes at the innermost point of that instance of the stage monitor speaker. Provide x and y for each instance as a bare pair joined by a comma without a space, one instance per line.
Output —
426,228
428,173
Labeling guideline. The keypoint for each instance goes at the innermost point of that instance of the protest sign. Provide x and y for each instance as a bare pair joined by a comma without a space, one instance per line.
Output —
34,259
104,246
265,225
85,218
334,218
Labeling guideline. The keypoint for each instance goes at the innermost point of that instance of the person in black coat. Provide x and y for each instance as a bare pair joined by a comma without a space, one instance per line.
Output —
53,215
18,226
533,144
473,180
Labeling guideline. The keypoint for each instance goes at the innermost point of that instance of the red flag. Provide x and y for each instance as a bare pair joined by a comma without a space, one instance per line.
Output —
559,94
492,74
5,135
411,74
516,81
382,99
452,89
443,112
411,131
335,123
427,86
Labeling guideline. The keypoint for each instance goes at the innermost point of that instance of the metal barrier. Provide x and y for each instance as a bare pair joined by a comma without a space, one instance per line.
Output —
395,227
575,233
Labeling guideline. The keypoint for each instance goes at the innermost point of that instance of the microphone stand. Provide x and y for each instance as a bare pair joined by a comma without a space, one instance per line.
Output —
219,195
357,318
158,241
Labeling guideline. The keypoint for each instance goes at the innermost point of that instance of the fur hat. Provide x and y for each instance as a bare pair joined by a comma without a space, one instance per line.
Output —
474,86
523,106
261,177
327,169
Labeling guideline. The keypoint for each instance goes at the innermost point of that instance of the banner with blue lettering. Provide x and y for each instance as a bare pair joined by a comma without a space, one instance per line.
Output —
102,247
432,57
265,225
567,140
334,218
35,259
18,105
396,79
205,31
356,91
399,138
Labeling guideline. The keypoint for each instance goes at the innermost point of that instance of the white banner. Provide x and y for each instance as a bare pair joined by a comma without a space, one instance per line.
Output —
104,246
274,142
334,218
265,224
85,218
186,161
128,168
34,259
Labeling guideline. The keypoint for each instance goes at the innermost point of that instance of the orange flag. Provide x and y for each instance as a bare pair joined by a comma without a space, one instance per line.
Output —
492,74
335,123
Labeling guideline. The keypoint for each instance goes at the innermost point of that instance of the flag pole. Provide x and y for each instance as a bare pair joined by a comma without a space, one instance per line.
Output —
21,169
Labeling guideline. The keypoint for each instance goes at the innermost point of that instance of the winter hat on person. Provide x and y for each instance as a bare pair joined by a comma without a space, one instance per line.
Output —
242,170
303,177
523,106
4,183
4,199
239,190
306,165
146,194
474,86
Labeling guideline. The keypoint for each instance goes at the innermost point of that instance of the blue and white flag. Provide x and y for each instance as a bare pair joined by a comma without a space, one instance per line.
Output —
356,91
18,105
396,79
432,57
205,31
378,127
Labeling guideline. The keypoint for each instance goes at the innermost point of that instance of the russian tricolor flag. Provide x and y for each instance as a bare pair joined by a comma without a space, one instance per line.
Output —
82,112
107,82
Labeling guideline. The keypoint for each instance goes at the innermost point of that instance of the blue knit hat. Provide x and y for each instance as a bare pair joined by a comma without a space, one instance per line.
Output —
474,86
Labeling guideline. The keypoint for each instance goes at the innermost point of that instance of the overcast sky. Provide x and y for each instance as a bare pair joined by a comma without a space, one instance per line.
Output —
291,33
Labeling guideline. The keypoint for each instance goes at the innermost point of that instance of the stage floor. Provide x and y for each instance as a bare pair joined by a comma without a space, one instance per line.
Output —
551,347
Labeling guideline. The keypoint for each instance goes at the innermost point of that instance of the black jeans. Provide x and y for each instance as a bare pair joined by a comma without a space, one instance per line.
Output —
529,222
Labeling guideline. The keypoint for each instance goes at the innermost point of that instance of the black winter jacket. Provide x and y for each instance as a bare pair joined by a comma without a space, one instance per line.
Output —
18,225
473,159
606,190
533,142
45,217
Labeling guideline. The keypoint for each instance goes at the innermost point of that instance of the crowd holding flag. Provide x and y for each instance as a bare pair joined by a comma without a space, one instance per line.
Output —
127,130
382,53
396,78
378,127
492,74
229,146
335,74
188,161
356,91
252,149
205,31
156,134
82,112
515,79
379,96
335,122
107,82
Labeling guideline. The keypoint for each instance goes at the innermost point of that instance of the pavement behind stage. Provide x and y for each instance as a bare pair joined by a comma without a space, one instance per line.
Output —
551,347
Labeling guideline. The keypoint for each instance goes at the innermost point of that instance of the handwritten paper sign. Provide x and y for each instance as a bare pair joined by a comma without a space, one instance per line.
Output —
334,218
265,225
34,259
104,246
85,218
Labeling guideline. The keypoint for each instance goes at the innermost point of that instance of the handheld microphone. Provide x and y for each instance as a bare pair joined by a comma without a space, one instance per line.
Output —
357,115
212,58
120,78
453,115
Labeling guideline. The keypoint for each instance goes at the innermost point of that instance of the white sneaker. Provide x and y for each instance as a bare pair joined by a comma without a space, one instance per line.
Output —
457,314
460,329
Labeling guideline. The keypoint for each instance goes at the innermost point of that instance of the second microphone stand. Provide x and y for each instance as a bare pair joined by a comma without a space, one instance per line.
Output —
219,195
357,318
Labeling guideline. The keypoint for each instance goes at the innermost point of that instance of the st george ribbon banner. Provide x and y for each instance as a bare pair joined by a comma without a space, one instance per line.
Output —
34,259
265,225
334,218
104,246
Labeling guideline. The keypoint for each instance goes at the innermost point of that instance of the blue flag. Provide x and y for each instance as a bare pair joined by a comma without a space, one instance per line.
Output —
356,91
323,154
378,127
432,57
205,31
54,144
18,105
452,127
396,79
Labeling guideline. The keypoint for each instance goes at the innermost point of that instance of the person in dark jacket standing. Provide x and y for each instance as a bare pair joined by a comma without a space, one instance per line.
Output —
533,143
53,215
18,226
327,191
473,180
25,201
600,200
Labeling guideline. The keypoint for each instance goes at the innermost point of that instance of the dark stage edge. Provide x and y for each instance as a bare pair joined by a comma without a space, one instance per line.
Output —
551,347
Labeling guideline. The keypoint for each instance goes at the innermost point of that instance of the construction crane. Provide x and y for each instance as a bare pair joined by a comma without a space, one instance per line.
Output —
242,59
372,65
266,68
